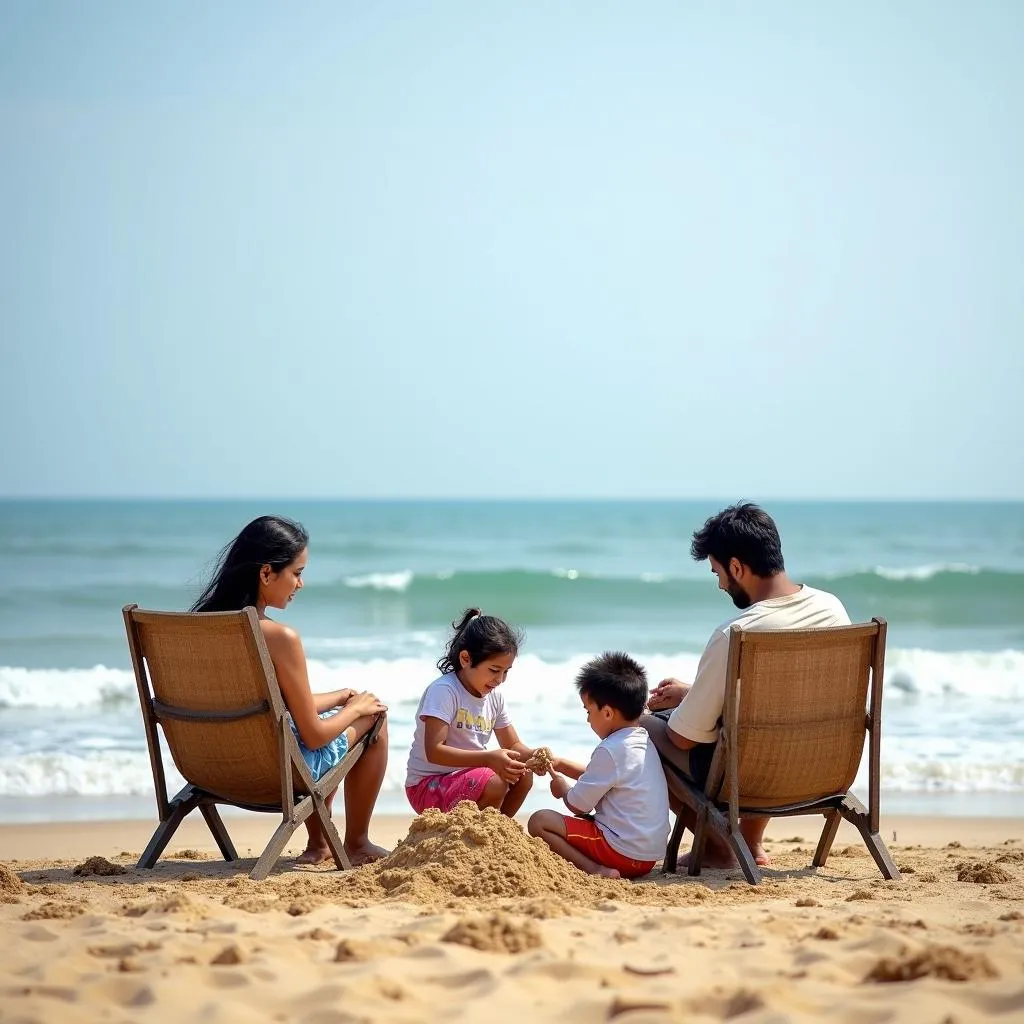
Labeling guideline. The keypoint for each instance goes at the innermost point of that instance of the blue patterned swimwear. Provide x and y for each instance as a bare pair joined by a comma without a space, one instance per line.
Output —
324,758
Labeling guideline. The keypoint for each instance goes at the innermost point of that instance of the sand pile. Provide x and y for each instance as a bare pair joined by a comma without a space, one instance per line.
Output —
982,873
495,933
487,857
937,962
11,886
55,911
99,866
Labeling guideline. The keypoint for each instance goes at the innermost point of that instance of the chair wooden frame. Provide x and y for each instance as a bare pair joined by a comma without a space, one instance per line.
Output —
721,814
300,795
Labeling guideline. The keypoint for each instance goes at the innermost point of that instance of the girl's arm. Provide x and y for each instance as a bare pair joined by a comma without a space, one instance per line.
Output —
435,732
509,740
289,660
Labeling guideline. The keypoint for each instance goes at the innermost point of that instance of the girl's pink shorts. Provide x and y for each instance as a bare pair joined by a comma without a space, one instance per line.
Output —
445,791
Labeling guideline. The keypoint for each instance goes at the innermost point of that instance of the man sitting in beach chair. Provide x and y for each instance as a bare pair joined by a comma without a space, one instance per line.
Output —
743,546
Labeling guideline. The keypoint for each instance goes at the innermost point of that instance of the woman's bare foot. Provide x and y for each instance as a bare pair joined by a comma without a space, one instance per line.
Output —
365,853
314,855
600,869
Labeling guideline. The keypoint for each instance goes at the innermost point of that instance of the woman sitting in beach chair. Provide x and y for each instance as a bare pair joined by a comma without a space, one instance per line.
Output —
263,567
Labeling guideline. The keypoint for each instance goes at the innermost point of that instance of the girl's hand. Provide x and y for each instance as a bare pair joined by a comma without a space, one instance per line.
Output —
344,696
506,765
540,761
366,704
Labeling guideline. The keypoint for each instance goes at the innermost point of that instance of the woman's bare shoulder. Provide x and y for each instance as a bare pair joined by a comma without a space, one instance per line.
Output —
280,637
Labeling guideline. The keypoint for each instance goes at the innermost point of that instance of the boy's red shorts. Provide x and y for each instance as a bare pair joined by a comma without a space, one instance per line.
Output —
585,836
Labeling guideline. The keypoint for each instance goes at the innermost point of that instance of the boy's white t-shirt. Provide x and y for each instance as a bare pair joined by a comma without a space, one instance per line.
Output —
471,720
624,785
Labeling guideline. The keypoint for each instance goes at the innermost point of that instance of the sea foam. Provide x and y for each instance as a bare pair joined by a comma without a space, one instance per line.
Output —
996,676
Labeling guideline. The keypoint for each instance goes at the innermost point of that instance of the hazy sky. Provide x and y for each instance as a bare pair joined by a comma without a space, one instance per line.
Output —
529,249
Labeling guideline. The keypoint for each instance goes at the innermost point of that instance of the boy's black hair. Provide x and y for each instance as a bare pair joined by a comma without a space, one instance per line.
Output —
615,680
744,532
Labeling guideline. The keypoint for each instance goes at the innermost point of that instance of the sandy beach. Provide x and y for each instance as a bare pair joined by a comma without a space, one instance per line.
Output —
469,917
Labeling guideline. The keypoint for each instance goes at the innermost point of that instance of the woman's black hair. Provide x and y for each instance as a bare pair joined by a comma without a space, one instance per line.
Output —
481,637
269,540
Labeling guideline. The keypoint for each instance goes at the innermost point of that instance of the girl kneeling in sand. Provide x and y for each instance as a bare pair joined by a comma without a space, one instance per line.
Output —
262,567
449,760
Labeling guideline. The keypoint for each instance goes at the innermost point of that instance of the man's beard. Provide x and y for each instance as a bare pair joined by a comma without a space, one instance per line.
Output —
739,596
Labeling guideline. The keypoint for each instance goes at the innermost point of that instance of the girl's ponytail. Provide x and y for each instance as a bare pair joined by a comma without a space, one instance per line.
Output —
481,637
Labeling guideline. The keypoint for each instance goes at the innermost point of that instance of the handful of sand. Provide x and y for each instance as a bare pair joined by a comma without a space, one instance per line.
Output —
539,761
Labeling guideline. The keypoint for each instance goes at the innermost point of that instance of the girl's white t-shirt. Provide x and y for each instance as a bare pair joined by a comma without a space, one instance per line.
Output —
471,721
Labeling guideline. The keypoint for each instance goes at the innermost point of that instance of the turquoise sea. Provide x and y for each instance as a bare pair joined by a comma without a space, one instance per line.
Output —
385,579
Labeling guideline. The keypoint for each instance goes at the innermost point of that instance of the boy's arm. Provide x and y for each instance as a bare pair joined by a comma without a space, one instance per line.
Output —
559,788
571,768
593,782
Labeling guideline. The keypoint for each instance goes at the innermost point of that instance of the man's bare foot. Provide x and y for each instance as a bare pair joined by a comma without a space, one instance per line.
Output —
604,872
717,859
365,853
313,855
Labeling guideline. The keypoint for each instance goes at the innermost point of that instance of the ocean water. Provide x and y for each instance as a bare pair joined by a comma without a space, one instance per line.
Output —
386,578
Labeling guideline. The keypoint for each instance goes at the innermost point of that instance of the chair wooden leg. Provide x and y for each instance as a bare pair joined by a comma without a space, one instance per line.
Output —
671,861
330,830
856,813
751,872
220,833
278,841
720,824
828,836
180,807
700,837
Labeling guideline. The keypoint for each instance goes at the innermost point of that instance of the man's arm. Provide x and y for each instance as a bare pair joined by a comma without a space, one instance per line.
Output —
696,718
679,740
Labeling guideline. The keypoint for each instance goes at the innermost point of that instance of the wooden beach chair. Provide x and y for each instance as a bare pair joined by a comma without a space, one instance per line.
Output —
797,704
208,682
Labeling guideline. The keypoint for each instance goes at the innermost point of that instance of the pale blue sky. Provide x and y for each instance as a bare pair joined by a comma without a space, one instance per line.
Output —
528,250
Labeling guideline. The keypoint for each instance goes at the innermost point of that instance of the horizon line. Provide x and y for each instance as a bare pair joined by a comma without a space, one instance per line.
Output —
502,499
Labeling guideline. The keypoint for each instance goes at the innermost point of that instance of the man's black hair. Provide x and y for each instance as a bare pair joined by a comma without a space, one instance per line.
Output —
744,532
614,680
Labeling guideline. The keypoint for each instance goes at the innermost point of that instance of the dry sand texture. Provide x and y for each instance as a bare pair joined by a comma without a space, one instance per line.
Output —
471,919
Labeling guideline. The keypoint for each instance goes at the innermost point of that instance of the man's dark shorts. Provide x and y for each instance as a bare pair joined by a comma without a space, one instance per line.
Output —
694,763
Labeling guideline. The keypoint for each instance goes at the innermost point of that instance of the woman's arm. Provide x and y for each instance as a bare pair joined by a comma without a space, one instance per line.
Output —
435,732
332,699
289,660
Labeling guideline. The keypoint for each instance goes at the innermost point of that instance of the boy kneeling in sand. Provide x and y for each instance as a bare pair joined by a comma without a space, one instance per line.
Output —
624,784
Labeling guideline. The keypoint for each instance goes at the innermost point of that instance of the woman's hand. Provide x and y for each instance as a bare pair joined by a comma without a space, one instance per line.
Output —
344,696
365,703
506,765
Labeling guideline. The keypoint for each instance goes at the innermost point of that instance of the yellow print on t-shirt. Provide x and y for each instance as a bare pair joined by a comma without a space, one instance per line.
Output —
478,723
